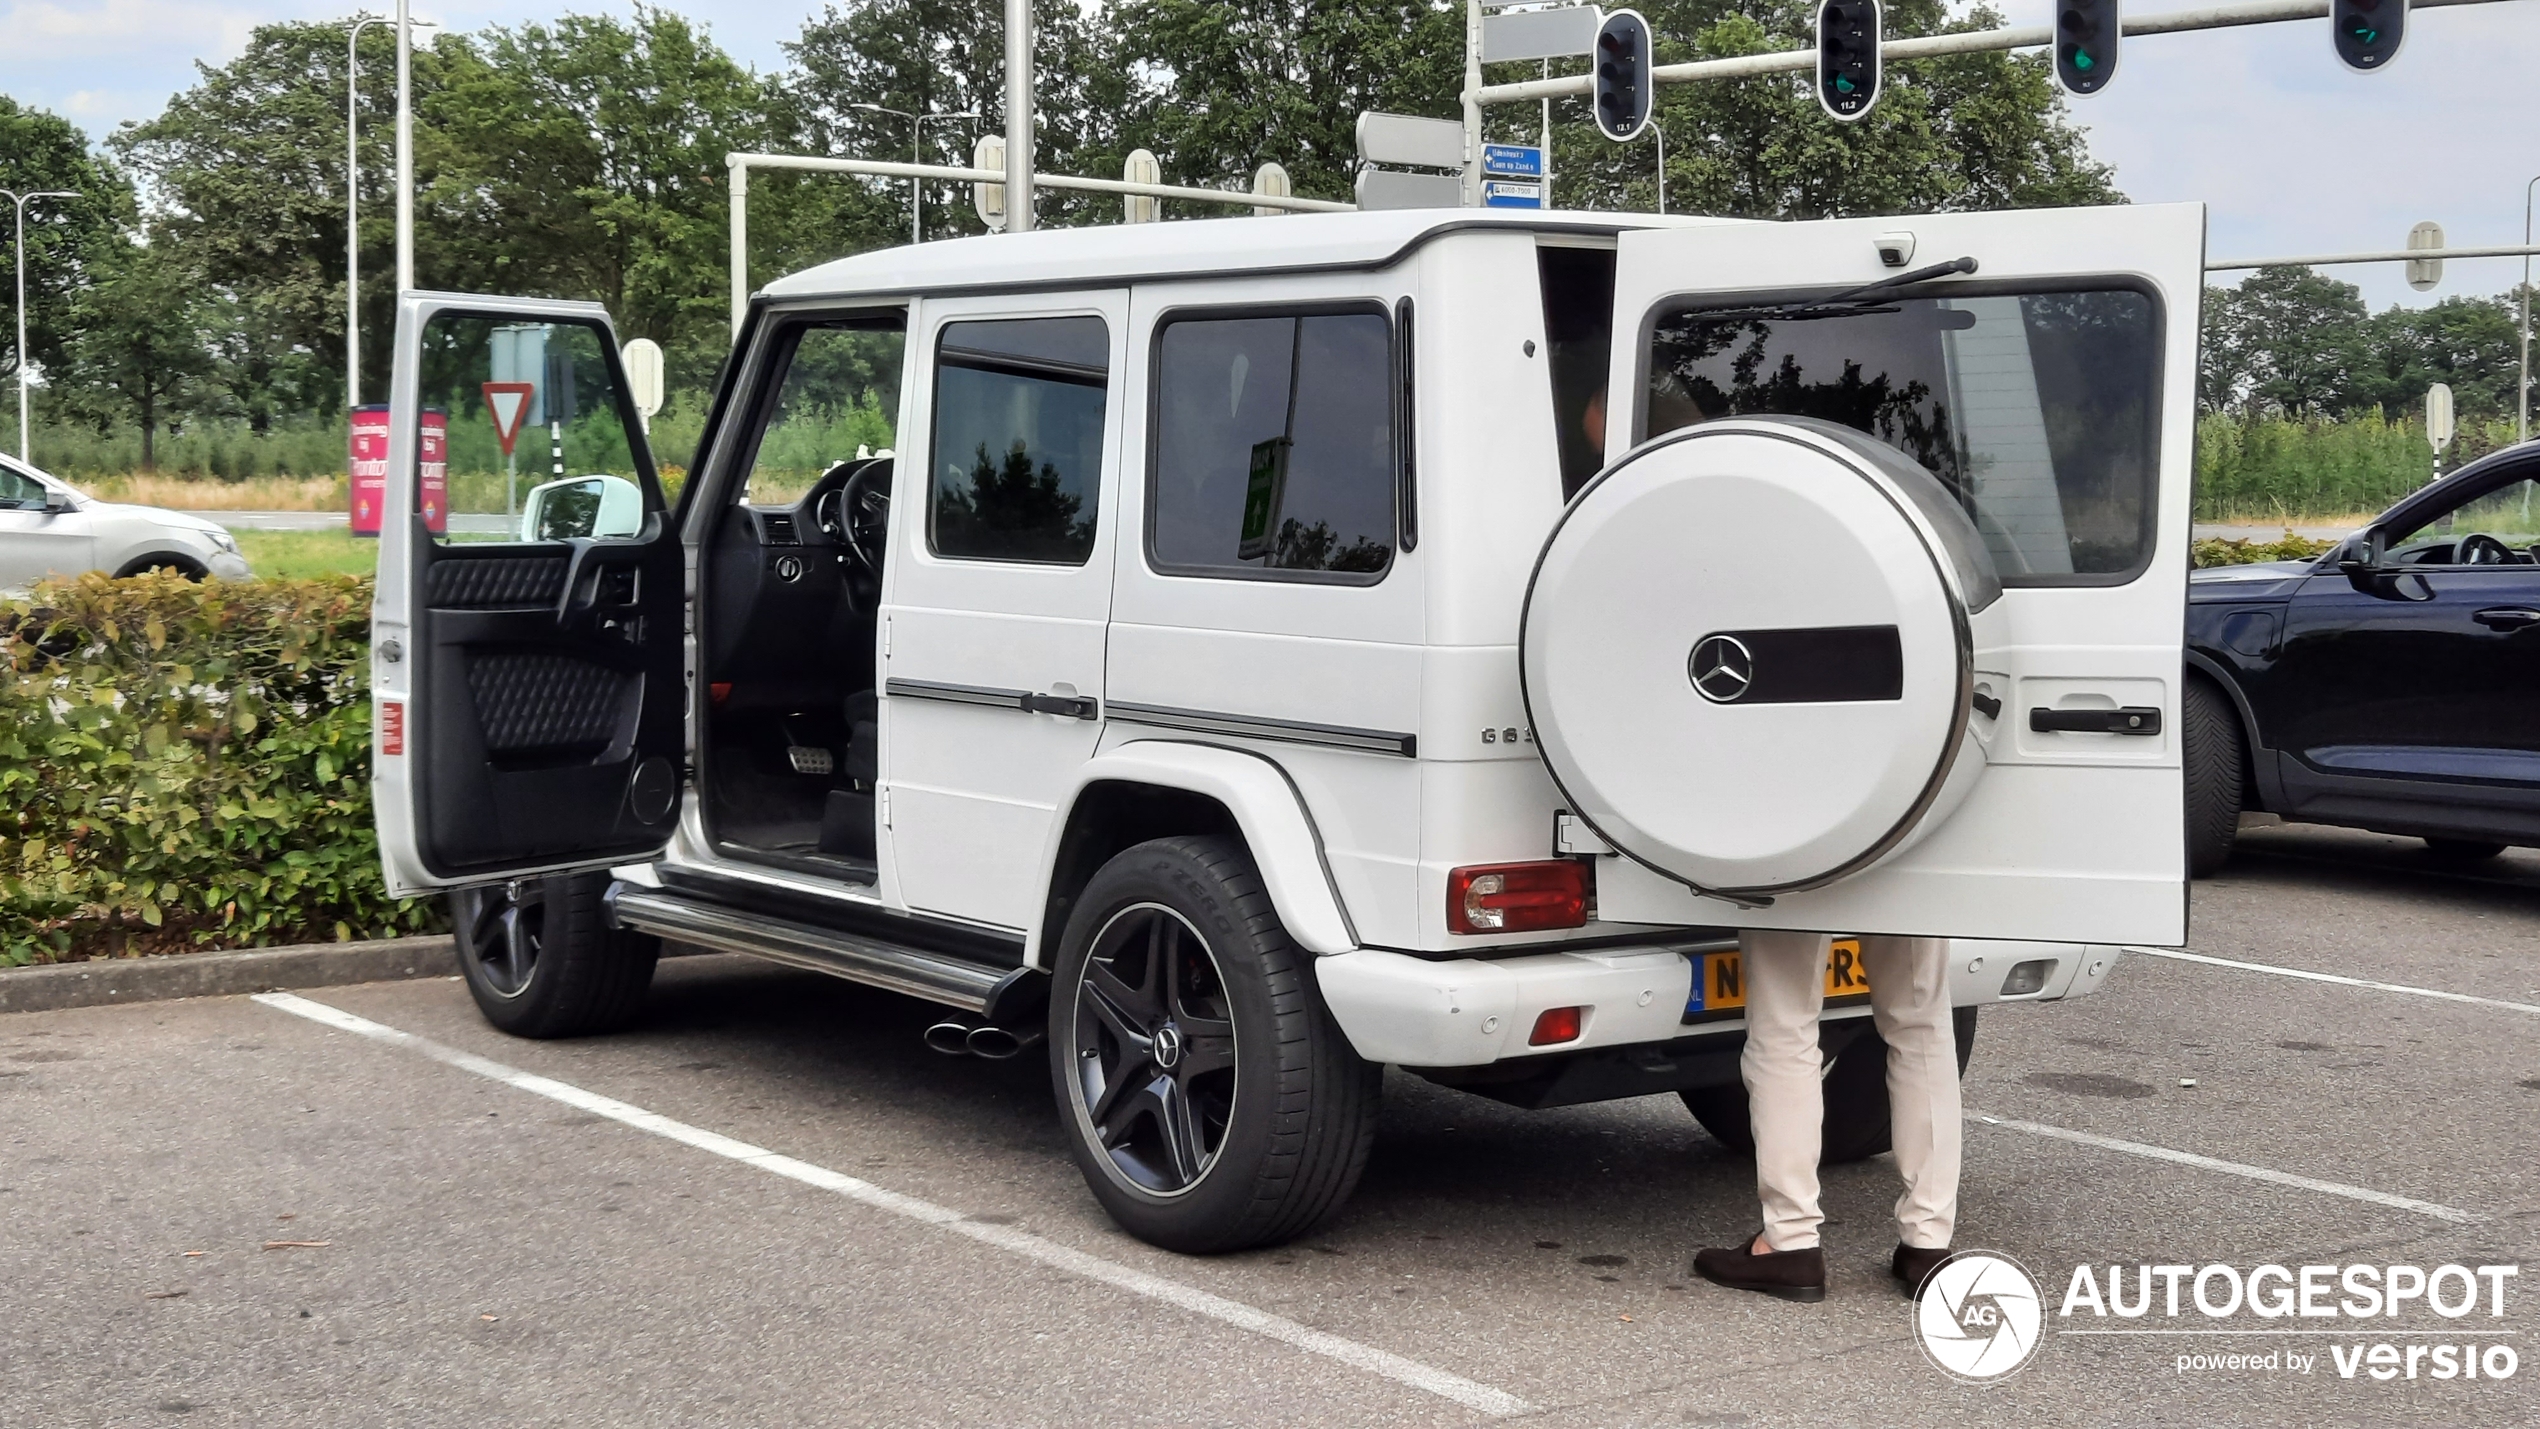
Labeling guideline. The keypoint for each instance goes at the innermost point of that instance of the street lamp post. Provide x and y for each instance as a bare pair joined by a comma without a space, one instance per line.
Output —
1660,130
22,200
352,204
2522,388
916,155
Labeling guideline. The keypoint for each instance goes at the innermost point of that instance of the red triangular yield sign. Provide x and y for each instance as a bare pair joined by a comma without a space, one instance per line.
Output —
509,403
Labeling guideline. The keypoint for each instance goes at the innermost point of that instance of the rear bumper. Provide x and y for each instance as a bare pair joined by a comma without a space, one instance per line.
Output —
1465,1012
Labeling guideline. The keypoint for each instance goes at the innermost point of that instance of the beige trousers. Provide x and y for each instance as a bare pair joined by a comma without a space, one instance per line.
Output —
1909,998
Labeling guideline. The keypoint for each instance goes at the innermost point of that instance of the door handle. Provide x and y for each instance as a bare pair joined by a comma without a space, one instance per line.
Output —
2507,617
1070,706
2133,719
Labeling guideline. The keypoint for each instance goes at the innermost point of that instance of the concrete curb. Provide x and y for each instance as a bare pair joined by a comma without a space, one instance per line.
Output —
58,985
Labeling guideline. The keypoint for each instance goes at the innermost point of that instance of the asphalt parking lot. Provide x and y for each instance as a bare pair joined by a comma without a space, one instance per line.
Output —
234,1211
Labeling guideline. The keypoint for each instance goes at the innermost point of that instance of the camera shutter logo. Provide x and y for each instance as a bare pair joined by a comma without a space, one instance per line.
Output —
1722,669
1980,1318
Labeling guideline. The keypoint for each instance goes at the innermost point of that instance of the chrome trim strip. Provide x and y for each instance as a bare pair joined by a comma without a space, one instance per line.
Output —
1330,736
932,976
953,694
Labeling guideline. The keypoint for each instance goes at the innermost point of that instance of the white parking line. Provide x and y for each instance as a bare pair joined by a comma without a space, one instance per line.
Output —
1468,1393
2231,1168
2180,955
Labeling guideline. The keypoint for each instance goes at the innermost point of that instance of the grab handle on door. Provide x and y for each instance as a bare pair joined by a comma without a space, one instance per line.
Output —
1071,706
2133,719
2507,617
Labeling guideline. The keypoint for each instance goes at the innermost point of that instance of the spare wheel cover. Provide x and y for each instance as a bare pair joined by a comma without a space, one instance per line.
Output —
1746,655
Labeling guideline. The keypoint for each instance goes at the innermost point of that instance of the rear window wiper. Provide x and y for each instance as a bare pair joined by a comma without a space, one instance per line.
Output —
1868,298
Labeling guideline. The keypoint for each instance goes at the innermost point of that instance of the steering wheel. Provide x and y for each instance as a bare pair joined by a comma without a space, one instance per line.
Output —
863,514
2480,549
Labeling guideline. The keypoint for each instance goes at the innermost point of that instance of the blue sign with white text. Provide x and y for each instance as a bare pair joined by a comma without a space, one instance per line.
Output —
1506,193
1512,161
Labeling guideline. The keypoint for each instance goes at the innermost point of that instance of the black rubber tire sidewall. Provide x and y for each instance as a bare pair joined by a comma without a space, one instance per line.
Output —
1859,1120
1305,1102
2216,773
2461,851
589,977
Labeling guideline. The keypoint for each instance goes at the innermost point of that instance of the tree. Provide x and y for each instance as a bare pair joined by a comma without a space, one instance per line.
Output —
2286,340
66,239
137,347
585,159
2472,344
1226,85
247,170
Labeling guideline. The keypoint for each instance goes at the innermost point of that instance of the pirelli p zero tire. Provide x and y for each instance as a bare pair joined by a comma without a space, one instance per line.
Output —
1858,1125
1207,1095
541,960
2217,766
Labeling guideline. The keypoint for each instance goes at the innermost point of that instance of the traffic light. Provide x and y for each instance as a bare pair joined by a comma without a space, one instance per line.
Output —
1623,86
2086,45
1848,57
2367,32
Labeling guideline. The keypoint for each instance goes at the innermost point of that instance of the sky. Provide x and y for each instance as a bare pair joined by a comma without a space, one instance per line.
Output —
2292,153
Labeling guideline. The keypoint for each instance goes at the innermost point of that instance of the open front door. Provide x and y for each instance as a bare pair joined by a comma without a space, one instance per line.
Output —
525,637
1873,621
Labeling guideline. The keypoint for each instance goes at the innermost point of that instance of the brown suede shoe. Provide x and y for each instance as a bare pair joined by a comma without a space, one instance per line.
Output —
1912,1266
1784,1274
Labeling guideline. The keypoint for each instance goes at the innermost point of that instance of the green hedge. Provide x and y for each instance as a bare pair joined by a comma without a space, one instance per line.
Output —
2274,469
185,765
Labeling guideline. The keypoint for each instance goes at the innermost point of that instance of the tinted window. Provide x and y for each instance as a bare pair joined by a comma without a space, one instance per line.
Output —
2040,411
840,399
1274,445
1018,439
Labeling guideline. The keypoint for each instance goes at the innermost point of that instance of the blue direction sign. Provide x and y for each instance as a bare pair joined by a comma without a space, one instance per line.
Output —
1512,161
1508,193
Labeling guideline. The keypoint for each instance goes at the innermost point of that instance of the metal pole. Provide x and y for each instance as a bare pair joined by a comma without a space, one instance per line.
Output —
352,213
1018,116
1473,103
1547,140
21,201
739,164
2522,388
405,150
1661,131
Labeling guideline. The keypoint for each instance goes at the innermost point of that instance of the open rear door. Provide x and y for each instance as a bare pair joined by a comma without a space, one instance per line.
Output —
1872,623
526,635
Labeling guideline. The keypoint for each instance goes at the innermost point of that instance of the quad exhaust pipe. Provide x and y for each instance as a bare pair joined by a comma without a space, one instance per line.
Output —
962,1037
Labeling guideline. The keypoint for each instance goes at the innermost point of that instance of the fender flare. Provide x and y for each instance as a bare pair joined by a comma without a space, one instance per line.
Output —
1267,807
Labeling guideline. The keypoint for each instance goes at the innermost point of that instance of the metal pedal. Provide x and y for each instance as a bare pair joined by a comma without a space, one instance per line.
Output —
807,760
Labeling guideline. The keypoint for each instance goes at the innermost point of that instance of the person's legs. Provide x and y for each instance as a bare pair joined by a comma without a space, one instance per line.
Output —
1785,975
1909,997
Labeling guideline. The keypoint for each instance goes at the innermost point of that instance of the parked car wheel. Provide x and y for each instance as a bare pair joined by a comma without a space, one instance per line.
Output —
2463,850
541,960
1858,1123
1207,1095
2216,769
190,569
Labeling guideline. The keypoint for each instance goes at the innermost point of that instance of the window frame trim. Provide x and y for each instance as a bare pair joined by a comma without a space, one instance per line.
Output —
935,366
1998,287
1397,381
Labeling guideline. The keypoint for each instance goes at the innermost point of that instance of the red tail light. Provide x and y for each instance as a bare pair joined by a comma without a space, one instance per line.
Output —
1518,897
1557,1024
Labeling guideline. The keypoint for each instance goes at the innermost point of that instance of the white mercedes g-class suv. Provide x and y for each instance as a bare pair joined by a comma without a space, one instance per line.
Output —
1244,653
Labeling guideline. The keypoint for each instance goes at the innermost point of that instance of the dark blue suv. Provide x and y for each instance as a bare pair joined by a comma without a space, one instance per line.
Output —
2392,684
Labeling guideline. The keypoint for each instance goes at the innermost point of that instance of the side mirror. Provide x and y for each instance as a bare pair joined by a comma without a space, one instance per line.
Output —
2364,564
599,507
57,501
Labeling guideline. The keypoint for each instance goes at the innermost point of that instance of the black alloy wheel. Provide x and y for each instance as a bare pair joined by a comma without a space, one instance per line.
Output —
1155,1048
500,928
1205,1091
541,960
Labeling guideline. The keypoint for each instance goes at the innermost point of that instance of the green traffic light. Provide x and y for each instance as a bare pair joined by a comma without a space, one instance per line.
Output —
2082,60
1842,85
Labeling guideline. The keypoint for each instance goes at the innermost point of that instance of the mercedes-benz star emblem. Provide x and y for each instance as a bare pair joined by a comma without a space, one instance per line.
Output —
1168,1046
1722,669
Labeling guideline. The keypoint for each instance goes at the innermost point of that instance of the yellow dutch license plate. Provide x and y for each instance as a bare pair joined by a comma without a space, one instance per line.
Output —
1719,982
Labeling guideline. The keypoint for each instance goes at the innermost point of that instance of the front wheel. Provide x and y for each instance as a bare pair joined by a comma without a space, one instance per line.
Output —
2216,770
541,960
1858,1123
1207,1095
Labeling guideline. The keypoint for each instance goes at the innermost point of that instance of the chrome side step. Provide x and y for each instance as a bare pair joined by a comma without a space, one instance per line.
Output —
914,971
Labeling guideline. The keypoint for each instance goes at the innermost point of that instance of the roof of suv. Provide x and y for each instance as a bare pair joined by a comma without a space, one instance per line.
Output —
1069,257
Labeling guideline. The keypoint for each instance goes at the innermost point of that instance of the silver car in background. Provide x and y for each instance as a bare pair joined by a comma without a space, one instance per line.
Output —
48,528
